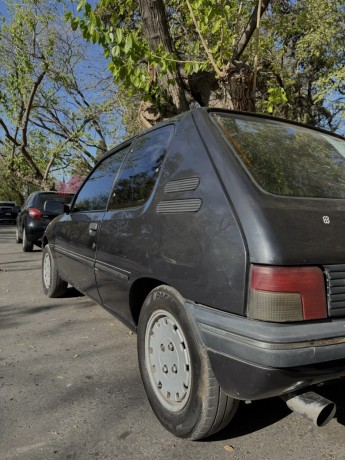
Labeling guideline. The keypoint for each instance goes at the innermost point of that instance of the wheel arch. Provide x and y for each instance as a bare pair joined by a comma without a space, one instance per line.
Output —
138,292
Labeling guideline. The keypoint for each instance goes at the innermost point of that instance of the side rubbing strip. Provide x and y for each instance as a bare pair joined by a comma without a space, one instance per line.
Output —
182,185
178,206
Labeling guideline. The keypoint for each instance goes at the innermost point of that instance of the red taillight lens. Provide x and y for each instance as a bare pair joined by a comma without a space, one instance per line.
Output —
287,293
34,213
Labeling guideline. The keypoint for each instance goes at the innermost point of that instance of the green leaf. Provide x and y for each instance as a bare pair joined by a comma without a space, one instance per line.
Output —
81,5
119,35
196,67
129,44
216,26
188,67
75,23
95,36
115,51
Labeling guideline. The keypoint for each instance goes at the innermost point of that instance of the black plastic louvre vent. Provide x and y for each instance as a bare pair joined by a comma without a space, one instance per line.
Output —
335,275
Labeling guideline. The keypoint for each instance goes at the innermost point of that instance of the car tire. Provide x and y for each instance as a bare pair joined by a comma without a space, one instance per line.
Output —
18,239
53,285
176,370
27,245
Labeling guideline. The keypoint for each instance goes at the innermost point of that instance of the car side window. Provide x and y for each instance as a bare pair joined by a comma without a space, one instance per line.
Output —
140,170
93,196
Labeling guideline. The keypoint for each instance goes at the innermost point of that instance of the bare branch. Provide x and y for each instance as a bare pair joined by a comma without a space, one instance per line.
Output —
7,133
249,30
29,106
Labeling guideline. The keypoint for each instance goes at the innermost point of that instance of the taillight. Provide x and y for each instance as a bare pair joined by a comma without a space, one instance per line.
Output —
34,213
286,293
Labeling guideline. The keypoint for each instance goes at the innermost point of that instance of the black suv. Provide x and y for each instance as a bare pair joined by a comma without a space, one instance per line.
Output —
8,211
219,237
32,220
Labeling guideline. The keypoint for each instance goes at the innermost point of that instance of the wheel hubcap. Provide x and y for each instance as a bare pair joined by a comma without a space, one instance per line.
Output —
168,360
46,270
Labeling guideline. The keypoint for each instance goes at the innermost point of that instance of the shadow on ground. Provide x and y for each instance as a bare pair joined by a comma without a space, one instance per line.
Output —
261,414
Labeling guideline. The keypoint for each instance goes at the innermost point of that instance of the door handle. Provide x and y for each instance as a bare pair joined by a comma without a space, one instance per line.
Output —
93,228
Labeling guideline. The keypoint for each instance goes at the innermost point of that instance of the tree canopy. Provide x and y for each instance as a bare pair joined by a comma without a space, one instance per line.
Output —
57,108
178,53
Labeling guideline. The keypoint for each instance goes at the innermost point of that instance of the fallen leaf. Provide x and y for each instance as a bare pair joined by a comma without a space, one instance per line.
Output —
228,448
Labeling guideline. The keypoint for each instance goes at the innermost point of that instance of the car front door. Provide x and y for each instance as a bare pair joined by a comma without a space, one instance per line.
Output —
77,232
126,234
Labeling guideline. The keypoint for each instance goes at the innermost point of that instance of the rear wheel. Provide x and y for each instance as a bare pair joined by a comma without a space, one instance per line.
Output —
18,239
53,285
176,371
27,245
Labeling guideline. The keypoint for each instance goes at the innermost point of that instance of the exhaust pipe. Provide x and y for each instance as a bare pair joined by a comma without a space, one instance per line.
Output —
312,406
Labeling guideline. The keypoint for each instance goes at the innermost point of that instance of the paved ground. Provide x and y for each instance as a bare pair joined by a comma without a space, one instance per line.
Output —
70,387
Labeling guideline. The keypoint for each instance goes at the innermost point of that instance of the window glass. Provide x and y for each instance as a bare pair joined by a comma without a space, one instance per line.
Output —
141,168
94,194
41,198
286,159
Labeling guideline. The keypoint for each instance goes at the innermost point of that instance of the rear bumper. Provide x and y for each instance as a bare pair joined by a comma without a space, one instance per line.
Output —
35,230
256,359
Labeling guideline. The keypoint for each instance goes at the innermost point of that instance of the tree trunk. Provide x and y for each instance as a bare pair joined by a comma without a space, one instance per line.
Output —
233,92
156,30
239,87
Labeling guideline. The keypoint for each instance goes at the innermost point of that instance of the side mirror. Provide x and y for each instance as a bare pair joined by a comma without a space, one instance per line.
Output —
55,208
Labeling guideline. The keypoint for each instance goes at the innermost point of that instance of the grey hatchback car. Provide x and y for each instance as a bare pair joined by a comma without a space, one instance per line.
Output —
219,238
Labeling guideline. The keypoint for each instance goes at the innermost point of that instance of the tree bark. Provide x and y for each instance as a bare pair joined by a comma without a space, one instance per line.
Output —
156,30
234,89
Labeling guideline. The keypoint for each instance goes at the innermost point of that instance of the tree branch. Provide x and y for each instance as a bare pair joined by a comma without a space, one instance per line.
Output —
8,134
29,106
219,73
248,31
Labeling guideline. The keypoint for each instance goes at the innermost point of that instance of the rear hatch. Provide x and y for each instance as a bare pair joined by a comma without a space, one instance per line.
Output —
41,198
292,208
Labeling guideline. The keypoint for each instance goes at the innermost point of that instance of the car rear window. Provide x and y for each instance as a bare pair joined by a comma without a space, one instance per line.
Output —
285,159
7,204
43,197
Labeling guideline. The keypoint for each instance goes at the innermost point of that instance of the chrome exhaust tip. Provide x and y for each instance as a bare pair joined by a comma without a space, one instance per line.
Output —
312,406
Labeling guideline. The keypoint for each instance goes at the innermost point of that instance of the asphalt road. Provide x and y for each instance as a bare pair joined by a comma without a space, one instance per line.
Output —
70,387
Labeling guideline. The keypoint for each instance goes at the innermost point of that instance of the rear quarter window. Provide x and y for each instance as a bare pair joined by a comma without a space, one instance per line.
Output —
286,159
141,168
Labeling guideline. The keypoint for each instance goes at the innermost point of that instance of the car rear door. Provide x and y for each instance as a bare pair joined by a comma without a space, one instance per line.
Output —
77,232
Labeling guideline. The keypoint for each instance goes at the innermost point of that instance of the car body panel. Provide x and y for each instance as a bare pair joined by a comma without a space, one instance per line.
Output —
276,228
75,249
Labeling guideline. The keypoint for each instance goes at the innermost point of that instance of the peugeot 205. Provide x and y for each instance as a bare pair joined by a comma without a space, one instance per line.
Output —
219,238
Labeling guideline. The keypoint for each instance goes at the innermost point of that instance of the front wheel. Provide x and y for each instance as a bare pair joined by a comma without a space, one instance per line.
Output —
176,371
53,285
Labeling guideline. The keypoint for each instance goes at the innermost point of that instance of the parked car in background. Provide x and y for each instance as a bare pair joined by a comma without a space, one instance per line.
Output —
219,237
32,220
8,211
